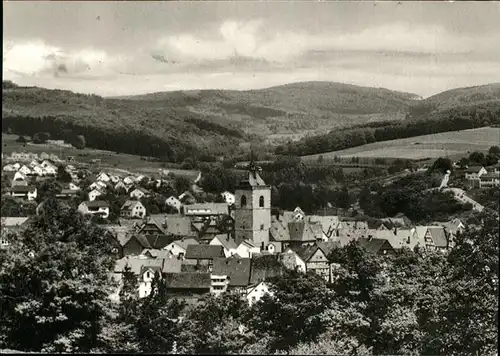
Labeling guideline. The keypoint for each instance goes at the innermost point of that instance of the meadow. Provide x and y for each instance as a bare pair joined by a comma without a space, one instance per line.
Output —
446,144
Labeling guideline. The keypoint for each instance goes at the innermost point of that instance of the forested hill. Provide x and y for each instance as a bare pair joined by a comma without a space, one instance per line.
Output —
176,125
460,109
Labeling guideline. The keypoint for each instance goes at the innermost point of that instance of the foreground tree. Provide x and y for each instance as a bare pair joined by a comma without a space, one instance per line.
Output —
54,284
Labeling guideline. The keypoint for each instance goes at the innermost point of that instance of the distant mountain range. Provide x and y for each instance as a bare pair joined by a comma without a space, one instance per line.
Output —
177,124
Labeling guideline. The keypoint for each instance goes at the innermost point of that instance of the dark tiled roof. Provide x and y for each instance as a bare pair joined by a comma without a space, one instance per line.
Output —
438,236
184,243
237,269
373,245
22,188
473,169
97,204
187,280
228,243
304,231
179,225
252,179
328,246
265,267
204,252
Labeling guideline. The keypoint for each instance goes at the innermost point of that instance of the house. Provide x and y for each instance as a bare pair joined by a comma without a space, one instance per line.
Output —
18,182
46,163
206,209
24,170
453,227
122,185
34,163
132,209
114,179
67,193
255,292
235,269
173,202
315,259
375,245
294,232
38,171
94,194
227,242
247,249
103,177
9,168
96,207
228,197
473,173
98,185
129,180
329,223
139,193
153,225
24,191
11,225
155,253
204,254
435,237
134,244
50,170
489,180
292,260
53,158
187,285
179,247
44,156
72,186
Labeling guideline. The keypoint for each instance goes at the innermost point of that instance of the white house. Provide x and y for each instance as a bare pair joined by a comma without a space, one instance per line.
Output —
132,209
16,166
489,180
50,170
139,193
98,185
21,191
114,179
228,197
103,177
33,163
179,247
19,176
24,170
46,163
473,173
9,168
73,186
246,249
129,180
173,202
255,293
96,207
93,194
228,243
38,170
292,260
121,185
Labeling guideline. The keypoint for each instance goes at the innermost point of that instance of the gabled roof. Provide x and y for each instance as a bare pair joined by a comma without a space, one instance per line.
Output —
304,231
306,252
328,223
179,225
184,243
265,267
156,253
439,237
97,204
12,221
237,269
141,189
328,246
151,221
130,204
141,239
227,242
473,169
279,230
187,280
136,263
374,245
204,252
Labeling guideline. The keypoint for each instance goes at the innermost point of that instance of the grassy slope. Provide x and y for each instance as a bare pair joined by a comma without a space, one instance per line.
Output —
209,120
465,96
452,144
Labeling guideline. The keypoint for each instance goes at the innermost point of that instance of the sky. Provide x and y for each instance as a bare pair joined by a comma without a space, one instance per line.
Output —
125,48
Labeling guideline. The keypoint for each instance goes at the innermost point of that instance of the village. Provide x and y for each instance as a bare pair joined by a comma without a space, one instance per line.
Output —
236,244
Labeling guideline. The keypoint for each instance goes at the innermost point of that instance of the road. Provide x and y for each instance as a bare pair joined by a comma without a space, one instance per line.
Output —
462,197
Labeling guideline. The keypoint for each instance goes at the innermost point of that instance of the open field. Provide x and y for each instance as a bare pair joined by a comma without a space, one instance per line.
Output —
446,144
111,161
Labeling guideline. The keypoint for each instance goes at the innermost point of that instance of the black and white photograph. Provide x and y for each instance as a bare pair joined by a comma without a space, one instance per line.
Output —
250,177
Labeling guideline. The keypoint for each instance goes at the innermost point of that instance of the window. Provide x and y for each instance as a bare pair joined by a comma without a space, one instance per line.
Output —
261,202
262,226
243,201
148,274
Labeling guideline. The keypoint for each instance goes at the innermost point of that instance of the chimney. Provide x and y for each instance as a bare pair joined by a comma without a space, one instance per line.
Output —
262,246
408,241
395,230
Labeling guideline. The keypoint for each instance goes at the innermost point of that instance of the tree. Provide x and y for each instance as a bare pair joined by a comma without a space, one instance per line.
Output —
21,139
54,284
79,142
181,184
494,151
476,158
62,175
41,137
442,165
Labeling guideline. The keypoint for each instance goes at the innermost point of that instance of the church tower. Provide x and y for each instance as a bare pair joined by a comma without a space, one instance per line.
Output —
252,212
